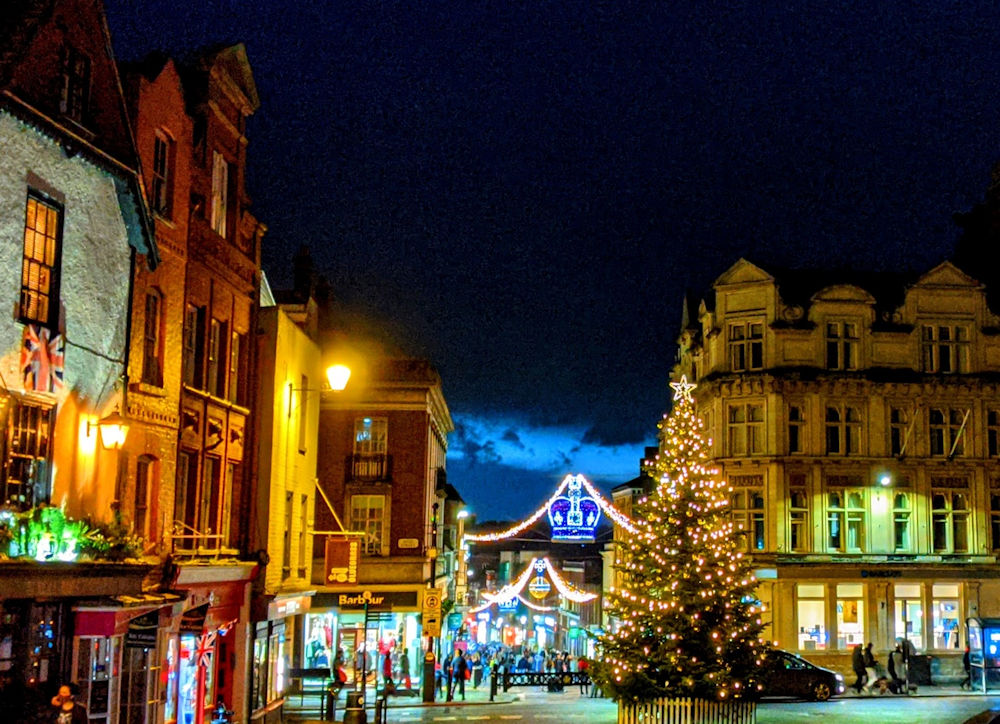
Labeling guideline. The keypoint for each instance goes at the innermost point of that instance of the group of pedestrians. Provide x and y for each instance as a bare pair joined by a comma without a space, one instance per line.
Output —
871,675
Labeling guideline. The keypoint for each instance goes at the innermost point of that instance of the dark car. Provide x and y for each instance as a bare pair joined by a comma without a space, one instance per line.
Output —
791,675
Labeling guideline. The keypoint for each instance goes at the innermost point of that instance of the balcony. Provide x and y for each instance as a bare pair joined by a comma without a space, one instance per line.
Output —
370,468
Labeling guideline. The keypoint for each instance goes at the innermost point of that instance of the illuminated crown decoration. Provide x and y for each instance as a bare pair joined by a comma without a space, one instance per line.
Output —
574,515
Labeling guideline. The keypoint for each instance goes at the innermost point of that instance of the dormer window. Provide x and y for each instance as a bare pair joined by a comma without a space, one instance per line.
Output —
841,346
75,99
746,346
945,348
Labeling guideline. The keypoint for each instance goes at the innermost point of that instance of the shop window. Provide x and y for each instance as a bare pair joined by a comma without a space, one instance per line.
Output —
899,425
841,346
41,261
798,511
945,348
746,429
846,521
95,660
902,513
850,615
944,604
843,430
27,446
747,511
368,516
908,613
946,426
950,521
811,616
746,346
139,703
796,430
187,677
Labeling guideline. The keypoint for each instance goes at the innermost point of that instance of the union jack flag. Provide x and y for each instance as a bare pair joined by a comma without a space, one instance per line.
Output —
42,359
206,647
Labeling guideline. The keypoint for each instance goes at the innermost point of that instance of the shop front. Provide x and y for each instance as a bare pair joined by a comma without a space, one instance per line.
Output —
363,628
206,663
274,632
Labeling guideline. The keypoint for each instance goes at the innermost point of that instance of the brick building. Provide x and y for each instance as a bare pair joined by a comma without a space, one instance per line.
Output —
857,417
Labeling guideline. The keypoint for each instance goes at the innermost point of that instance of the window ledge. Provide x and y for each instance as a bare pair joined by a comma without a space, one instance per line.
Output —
148,389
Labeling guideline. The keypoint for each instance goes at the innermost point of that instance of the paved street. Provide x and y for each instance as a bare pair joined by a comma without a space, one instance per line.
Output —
569,707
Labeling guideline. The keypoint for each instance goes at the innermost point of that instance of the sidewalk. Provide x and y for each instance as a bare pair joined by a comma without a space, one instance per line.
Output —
925,690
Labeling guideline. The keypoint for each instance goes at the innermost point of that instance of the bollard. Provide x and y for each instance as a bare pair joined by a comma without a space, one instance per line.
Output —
354,709
380,710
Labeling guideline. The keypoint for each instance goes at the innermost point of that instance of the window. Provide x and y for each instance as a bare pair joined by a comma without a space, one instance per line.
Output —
899,425
841,346
27,443
186,495
211,490
75,98
811,616
746,346
152,347
237,392
945,428
747,510
846,521
143,485
796,429
370,459
946,348
303,412
850,615
902,513
843,430
746,429
286,537
217,360
194,336
944,607
163,174
993,433
995,519
40,263
368,516
908,613
950,521
798,507
220,193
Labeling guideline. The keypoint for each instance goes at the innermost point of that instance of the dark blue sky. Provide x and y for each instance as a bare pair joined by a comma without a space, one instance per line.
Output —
522,191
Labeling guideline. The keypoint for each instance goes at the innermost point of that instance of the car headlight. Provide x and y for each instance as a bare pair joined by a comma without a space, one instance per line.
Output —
839,677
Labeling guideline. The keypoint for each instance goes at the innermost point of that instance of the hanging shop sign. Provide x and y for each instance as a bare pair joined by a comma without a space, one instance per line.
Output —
574,515
141,633
342,560
454,621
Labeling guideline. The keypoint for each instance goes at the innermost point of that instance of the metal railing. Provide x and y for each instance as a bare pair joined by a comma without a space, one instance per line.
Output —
377,467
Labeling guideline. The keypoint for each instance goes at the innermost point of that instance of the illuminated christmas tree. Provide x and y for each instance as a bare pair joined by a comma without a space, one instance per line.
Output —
690,623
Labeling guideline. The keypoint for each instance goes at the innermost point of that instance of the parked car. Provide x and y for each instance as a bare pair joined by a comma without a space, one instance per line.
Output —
788,674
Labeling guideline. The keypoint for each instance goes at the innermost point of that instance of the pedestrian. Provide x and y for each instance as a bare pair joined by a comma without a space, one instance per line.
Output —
404,669
458,669
858,664
387,672
898,659
67,710
583,668
870,667
967,682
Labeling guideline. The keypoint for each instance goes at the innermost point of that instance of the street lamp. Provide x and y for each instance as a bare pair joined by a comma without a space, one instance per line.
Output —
113,429
338,375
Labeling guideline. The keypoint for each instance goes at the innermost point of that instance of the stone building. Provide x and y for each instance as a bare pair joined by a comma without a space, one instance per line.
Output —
857,419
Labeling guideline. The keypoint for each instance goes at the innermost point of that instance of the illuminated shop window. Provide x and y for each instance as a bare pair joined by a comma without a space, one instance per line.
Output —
850,615
908,613
811,613
944,604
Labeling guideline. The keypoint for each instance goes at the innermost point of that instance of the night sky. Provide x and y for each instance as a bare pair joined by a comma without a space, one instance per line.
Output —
523,191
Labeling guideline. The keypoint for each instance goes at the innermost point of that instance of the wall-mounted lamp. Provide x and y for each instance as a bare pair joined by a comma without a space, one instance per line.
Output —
463,513
338,375
113,429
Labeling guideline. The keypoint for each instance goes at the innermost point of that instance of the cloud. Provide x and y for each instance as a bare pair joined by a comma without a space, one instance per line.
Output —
471,445
511,436
611,434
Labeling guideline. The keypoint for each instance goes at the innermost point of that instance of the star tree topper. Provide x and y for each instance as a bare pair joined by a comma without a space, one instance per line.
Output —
682,389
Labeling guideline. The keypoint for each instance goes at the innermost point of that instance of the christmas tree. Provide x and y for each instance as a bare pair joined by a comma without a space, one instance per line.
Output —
689,621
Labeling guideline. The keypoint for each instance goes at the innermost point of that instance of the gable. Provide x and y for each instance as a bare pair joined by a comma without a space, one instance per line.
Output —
743,272
947,274
843,293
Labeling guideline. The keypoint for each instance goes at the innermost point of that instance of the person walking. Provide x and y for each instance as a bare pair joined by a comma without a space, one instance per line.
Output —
404,669
967,682
458,670
870,662
583,668
858,664
67,710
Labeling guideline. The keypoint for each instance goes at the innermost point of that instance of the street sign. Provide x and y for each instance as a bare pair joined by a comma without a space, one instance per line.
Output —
454,621
431,612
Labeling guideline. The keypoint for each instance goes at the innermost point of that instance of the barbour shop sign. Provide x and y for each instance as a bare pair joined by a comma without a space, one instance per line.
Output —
349,600
374,600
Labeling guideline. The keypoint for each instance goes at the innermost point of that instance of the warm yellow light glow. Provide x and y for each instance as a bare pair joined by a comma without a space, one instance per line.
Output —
338,375
113,429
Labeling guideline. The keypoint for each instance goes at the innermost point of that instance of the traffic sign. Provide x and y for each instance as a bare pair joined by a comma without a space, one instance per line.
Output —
431,612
